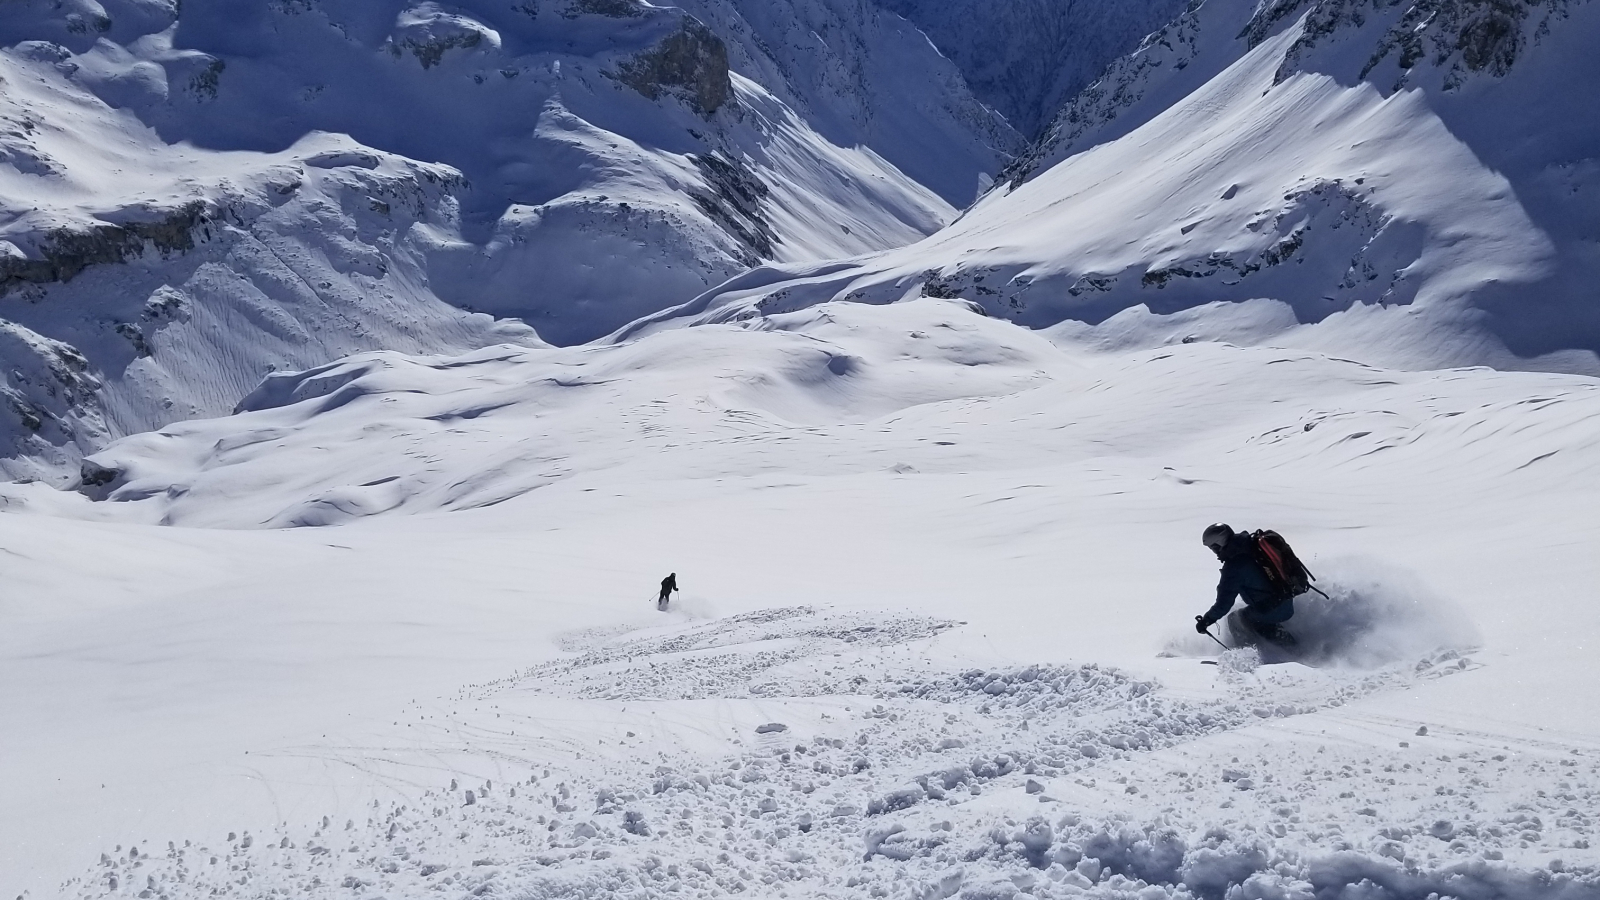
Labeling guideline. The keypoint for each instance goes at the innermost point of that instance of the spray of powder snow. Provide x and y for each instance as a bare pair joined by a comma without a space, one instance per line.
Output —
1375,614
692,607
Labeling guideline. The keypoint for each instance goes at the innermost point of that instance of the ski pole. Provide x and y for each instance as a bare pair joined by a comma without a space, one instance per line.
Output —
1208,634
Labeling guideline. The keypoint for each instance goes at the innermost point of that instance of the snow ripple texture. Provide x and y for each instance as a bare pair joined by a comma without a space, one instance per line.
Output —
891,778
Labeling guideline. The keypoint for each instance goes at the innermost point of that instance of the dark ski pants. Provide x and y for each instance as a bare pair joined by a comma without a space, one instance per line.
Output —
1258,618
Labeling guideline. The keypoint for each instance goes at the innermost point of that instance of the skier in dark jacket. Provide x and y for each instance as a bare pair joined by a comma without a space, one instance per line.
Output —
1265,608
668,585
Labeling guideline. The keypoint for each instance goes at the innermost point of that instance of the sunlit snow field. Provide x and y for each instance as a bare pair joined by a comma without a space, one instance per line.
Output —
939,574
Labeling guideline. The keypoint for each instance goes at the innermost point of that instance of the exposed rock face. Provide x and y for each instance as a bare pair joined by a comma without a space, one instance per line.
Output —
691,62
616,9
1454,39
1455,36
429,33
66,252
47,402
735,202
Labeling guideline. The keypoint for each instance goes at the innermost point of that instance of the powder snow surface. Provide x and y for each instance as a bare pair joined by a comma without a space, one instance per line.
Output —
938,572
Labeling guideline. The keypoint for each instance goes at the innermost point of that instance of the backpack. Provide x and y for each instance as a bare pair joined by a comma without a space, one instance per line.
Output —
1289,576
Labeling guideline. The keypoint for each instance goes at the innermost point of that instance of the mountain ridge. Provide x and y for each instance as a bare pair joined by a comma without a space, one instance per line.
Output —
1249,170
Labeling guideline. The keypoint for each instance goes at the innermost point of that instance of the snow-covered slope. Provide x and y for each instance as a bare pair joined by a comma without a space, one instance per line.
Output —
939,572
389,630
188,202
1413,183
1027,58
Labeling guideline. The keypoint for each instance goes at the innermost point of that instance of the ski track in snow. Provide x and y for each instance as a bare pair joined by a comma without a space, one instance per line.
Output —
839,759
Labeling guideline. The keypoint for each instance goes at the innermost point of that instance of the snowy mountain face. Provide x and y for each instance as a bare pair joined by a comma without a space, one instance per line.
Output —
861,75
1412,182
1027,58
194,200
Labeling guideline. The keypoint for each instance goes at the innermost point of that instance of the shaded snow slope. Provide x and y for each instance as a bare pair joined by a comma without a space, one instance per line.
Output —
1027,58
938,571
188,202
1438,213
865,77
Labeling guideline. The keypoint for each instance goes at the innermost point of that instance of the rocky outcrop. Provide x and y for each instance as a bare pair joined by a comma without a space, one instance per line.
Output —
48,408
692,63
1458,37
66,252
615,9
734,202
428,33
1455,38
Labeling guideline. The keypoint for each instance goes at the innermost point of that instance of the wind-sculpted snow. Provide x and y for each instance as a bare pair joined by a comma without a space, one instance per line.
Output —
383,432
1365,172
897,781
446,419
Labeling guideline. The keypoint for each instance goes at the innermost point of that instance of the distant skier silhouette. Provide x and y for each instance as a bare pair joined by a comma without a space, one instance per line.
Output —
1268,600
668,585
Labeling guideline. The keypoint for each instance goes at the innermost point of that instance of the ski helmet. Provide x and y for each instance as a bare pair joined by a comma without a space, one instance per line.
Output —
1217,536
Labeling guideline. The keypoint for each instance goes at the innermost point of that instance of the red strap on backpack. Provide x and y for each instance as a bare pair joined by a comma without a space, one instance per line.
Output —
1275,570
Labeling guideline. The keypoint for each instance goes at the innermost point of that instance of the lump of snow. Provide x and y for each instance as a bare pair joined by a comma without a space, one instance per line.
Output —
1242,661
771,728
875,838
1037,837
896,800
